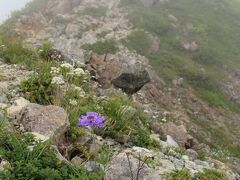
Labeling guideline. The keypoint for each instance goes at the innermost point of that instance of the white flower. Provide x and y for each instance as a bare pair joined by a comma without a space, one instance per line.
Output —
58,80
70,74
78,71
67,66
55,70
73,102
80,64
81,91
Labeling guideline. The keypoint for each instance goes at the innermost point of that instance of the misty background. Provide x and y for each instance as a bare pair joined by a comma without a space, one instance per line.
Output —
6,7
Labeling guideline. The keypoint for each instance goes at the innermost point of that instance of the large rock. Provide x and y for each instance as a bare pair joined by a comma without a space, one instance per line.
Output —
179,134
131,83
120,168
104,69
51,121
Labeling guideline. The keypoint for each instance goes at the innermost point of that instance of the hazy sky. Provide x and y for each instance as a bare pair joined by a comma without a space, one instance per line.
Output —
7,6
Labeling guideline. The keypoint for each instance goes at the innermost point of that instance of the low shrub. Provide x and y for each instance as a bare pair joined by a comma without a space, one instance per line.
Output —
15,53
38,88
106,47
94,11
139,41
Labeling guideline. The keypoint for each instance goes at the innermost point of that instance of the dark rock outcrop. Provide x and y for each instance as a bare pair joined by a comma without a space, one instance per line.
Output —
131,83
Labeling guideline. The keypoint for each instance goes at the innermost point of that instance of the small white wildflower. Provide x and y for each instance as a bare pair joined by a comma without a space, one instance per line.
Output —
78,71
67,66
80,64
70,74
81,91
58,80
55,70
73,102
164,119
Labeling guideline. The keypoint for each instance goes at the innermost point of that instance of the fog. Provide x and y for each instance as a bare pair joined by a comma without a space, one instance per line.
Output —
7,6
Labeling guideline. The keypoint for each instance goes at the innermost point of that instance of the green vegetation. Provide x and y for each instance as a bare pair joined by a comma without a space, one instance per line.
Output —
38,163
106,47
17,54
94,11
214,26
45,51
180,174
38,87
207,174
139,41
122,118
211,30
210,174
202,155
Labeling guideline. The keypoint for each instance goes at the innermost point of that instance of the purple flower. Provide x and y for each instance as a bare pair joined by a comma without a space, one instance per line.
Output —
92,119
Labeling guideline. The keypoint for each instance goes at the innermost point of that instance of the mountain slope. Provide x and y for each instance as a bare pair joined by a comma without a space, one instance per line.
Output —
192,45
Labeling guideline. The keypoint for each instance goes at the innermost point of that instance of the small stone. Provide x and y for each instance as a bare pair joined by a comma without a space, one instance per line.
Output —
191,165
179,163
171,141
3,98
165,167
91,166
3,106
77,161
94,148
202,163
185,158
193,155
124,139
40,137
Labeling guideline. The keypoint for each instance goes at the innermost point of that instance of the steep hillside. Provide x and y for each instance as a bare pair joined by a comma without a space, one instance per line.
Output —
177,60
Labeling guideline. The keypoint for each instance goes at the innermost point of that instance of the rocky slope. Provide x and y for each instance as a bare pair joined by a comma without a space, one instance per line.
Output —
175,110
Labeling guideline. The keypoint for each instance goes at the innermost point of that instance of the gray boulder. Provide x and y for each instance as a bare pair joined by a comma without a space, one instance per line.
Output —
131,83
119,168
51,121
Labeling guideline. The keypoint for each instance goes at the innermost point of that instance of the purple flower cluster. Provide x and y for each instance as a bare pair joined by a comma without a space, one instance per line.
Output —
92,119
